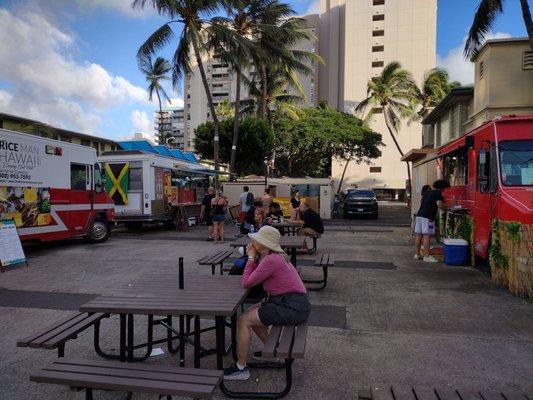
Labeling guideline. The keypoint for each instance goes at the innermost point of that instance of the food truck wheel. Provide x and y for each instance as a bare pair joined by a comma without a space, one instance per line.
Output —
99,232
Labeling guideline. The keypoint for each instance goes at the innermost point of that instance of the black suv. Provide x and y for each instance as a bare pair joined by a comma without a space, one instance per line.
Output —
360,202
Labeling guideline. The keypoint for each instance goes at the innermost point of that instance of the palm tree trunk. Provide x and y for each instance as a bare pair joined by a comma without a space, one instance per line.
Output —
264,90
236,125
216,139
527,21
342,177
395,140
160,118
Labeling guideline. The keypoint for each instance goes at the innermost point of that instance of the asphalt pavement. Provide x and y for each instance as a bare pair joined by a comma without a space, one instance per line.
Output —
384,318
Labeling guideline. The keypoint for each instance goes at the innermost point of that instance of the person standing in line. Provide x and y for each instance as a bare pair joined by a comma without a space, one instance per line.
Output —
246,200
219,204
295,204
267,199
205,212
425,219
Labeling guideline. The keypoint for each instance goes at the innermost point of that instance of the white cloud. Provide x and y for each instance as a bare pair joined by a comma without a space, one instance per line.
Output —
140,121
460,68
5,99
48,84
314,7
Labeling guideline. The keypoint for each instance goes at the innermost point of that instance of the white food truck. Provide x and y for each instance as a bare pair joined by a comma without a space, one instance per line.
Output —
155,187
52,189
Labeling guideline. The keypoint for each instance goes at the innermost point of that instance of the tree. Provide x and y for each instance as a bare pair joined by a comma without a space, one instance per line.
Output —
486,14
256,141
394,92
435,88
189,13
306,145
155,73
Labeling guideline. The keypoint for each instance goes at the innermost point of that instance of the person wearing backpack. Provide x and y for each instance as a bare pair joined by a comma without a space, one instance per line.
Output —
246,199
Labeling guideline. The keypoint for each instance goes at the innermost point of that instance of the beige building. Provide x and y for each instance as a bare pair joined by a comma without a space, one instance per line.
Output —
357,38
223,86
503,85
171,121
37,128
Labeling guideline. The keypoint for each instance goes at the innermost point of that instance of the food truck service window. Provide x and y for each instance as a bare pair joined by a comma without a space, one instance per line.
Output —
456,167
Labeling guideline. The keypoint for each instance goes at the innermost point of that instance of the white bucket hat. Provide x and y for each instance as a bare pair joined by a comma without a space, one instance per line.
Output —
268,236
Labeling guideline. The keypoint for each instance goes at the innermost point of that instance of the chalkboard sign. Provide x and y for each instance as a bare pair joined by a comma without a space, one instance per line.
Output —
11,251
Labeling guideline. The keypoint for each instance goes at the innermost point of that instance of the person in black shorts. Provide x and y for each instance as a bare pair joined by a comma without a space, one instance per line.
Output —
295,204
205,212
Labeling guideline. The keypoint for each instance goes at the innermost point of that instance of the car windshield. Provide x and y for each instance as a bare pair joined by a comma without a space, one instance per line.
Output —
352,194
516,162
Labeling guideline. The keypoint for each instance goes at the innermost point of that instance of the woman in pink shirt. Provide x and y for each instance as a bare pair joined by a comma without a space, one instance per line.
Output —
286,304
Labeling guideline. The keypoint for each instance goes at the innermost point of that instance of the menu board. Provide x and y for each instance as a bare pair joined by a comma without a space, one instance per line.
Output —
11,251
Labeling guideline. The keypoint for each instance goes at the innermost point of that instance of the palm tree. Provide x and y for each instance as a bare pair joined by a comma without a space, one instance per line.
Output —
190,14
435,88
155,73
394,92
486,13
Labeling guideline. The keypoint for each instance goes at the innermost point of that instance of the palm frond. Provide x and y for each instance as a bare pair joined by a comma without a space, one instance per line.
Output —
486,14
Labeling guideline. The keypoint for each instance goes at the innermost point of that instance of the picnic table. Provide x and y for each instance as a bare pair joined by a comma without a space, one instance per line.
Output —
289,227
156,295
290,243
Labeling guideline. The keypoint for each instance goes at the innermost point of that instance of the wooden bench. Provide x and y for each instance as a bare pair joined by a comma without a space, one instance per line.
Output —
216,258
284,342
382,392
138,378
325,261
57,334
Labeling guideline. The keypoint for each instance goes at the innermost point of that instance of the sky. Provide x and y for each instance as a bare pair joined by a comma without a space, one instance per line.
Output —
71,63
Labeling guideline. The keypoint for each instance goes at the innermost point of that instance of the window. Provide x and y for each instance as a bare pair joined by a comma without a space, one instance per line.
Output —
78,176
456,167
66,138
377,110
379,32
516,158
377,64
481,69
378,2
135,178
378,49
378,17
98,181
375,169
486,176
527,60
85,142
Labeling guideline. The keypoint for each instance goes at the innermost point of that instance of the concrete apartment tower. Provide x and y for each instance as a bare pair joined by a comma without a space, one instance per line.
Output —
357,38
221,80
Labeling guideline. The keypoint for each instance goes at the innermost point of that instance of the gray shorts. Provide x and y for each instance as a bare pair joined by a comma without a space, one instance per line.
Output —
285,309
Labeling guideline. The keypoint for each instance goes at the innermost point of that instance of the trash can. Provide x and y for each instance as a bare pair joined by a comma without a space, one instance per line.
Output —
455,251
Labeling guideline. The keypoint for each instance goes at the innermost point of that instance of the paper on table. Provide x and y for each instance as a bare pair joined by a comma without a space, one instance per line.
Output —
157,352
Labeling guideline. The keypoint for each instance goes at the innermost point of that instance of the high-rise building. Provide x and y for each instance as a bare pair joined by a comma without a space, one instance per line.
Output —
171,121
357,39
221,80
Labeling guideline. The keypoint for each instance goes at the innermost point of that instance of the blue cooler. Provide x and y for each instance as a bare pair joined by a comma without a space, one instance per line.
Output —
455,252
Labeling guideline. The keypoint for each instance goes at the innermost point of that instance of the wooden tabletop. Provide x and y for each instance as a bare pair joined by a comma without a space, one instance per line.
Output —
159,295
287,242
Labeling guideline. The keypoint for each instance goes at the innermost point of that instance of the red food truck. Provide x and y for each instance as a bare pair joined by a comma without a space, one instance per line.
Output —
52,189
490,170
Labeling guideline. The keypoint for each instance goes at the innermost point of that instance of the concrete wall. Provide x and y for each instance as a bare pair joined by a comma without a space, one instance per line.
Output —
505,87
347,42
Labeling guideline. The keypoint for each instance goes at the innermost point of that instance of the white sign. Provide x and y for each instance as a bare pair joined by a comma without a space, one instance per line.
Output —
11,251
21,161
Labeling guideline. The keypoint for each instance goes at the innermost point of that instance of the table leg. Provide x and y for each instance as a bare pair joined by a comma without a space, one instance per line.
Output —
234,336
221,340
196,341
130,337
182,341
293,256
122,345
221,268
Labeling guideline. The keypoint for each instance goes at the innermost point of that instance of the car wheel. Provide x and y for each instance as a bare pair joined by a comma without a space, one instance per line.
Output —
99,232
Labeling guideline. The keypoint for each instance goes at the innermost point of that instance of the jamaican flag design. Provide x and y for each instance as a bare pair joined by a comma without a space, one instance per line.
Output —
116,185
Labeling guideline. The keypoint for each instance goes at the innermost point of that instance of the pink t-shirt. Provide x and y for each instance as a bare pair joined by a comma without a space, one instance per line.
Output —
277,275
